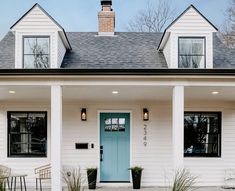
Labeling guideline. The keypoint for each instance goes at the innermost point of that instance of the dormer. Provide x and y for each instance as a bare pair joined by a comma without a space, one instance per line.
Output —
40,42
188,41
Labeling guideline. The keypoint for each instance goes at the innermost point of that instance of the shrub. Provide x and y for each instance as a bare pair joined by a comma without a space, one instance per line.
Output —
136,169
3,175
73,180
183,181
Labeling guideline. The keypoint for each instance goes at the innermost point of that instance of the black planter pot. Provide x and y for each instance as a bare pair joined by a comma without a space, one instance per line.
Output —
136,178
92,176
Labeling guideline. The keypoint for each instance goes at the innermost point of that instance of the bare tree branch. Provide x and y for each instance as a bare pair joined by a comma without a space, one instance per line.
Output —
227,31
153,18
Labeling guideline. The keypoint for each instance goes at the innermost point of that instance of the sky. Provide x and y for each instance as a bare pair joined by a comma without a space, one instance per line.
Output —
81,15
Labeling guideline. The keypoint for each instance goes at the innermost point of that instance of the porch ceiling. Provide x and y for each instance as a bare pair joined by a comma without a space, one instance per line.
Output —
206,93
104,93
125,93
25,94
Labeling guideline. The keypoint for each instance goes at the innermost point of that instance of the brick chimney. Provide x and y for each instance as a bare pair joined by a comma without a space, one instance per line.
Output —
106,19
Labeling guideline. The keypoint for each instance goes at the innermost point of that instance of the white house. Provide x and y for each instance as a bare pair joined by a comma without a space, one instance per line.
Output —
158,100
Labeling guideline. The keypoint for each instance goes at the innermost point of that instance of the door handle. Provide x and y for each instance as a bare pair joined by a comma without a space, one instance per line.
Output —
101,153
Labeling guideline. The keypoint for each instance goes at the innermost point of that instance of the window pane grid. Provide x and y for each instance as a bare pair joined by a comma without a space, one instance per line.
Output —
36,52
191,52
27,134
202,134
115,124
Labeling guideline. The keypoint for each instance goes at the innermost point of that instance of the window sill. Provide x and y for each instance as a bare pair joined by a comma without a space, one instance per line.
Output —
202,158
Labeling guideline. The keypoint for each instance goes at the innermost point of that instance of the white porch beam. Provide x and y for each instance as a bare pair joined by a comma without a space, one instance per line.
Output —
56,137
178,126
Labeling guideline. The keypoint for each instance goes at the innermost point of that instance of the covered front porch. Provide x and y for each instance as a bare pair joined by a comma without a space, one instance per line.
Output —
157,144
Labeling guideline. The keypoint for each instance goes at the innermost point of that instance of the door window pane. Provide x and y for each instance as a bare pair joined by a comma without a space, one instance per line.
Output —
115,124
108,128
114,120
114,127
121,121
107,121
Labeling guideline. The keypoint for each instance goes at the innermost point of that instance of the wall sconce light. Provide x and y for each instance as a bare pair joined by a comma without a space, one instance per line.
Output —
83,114
145,114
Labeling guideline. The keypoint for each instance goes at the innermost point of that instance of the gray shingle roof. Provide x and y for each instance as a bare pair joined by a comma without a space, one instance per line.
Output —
7,51
125,50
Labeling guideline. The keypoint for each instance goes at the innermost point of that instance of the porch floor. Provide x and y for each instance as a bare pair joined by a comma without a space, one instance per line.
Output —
147,189
159,189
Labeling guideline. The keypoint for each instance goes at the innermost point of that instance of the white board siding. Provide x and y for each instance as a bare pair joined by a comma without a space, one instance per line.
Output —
37,23
21,165
175,43
61,51
211,171
19,46
36,19
156,158
167,51
190,24
192,21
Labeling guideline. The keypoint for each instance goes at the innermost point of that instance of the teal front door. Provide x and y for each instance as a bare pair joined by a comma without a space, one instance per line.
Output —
114,147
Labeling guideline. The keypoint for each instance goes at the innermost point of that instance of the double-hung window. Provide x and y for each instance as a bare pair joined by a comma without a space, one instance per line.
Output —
192,52
36,52
27,134
202,134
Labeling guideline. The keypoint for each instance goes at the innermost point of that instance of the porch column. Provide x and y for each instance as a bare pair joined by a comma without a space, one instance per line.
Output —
56,137
178,126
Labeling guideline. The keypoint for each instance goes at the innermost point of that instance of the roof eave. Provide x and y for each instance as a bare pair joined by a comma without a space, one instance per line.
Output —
116,72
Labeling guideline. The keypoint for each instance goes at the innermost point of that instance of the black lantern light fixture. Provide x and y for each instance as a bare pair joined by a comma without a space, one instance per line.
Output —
83,114
145,114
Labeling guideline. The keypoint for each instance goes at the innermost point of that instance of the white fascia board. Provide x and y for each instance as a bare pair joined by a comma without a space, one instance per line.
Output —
165,38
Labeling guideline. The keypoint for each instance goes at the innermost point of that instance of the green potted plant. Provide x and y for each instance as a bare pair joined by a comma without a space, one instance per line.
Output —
136,173
92,176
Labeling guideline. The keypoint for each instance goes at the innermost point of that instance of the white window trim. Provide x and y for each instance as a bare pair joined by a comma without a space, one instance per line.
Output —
36,36
202,65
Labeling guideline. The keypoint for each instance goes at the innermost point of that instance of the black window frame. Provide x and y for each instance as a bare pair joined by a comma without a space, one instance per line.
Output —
207,155
29,155
49,47
192,37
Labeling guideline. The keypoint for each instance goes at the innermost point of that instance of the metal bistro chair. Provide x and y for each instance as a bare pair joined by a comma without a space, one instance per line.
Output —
43,173
5,173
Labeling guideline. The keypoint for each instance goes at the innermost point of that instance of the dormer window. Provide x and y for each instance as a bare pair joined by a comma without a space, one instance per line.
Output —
36,52
192,52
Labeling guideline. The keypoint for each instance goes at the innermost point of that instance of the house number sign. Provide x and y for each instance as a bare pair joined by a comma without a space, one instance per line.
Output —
145,135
